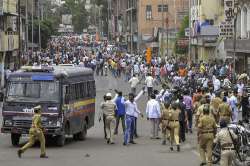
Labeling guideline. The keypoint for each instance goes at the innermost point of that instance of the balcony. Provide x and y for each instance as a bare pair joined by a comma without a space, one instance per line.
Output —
8,7
242,45
9,41
207,36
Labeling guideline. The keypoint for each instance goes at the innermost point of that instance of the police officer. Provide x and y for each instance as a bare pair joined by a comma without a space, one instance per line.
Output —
109,108
215,102
225,137
35,132
206,133
165,122
174,125
199,111
225,111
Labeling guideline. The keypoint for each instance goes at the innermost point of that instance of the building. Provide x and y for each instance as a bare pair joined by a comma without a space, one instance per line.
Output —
242,39
118,21
9,34
147,19
206,16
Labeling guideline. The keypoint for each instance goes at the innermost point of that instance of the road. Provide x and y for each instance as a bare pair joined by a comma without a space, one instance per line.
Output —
94,151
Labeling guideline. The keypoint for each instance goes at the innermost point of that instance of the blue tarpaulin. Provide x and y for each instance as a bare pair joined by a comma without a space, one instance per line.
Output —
42,77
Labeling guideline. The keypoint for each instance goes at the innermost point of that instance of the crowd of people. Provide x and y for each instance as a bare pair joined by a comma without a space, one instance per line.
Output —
197,97
182,96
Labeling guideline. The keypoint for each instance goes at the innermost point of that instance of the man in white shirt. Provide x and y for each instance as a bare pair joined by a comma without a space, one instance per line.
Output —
233,102
153,112
149,83
216,83
133,83
240,87
132,113
136,68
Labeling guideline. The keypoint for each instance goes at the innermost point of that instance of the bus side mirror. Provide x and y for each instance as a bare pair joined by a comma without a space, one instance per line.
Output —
1,96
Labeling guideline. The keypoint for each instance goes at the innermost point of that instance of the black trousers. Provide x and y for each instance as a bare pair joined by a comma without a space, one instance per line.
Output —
182,130
135,131
104,126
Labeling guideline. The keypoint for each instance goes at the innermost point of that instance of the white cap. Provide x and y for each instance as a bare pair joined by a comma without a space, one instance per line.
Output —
108,95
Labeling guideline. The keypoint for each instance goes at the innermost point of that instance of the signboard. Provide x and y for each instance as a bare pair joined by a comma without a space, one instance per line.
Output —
67,19
227,27
195,13
187,32
229,10
182,43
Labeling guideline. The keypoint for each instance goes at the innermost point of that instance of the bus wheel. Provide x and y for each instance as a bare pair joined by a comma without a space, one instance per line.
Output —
82,135
60,140
15,139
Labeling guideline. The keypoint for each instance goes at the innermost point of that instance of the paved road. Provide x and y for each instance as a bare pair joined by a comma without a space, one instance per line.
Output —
94,151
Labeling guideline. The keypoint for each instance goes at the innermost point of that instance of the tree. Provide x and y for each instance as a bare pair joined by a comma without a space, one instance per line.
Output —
181,34
47,29
79,13
184,25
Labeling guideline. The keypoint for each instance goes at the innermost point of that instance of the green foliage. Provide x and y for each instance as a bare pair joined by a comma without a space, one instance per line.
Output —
47,29
184,25
79,13
181,34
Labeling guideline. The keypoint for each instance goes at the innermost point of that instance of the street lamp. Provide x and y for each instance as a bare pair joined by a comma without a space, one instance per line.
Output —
235,14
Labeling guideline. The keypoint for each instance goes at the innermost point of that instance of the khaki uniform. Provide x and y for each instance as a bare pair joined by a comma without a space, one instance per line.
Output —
174,126
206,133
165,123
110,121
215,102
35,133
227,147
225,112
199,114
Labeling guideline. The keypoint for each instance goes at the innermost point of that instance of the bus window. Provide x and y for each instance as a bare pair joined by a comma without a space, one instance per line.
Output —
82,90
88,89
72,92
66,94
77,90
85,90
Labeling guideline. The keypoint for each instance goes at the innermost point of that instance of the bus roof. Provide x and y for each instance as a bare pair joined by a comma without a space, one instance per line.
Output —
56,71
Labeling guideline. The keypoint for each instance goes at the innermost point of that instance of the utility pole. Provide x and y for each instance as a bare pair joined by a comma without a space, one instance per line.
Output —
32,26
27,25
131,29
162,29
189,36
42,10
167,24
117,23
175,16
95,15
39,25
19,33
108,19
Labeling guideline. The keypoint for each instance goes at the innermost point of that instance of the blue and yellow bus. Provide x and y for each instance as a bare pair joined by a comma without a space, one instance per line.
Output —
66,94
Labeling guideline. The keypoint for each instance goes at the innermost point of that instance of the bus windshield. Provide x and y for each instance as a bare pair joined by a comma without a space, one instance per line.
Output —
37,91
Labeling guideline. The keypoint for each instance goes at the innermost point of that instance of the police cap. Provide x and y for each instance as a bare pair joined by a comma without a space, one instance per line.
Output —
38,107
206,109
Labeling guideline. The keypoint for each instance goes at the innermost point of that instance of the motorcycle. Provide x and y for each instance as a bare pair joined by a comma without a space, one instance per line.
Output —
243,145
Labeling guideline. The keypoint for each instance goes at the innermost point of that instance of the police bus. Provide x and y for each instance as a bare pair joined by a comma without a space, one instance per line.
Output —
66,94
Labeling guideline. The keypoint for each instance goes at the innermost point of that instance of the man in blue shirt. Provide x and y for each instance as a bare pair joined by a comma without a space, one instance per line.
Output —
120,112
